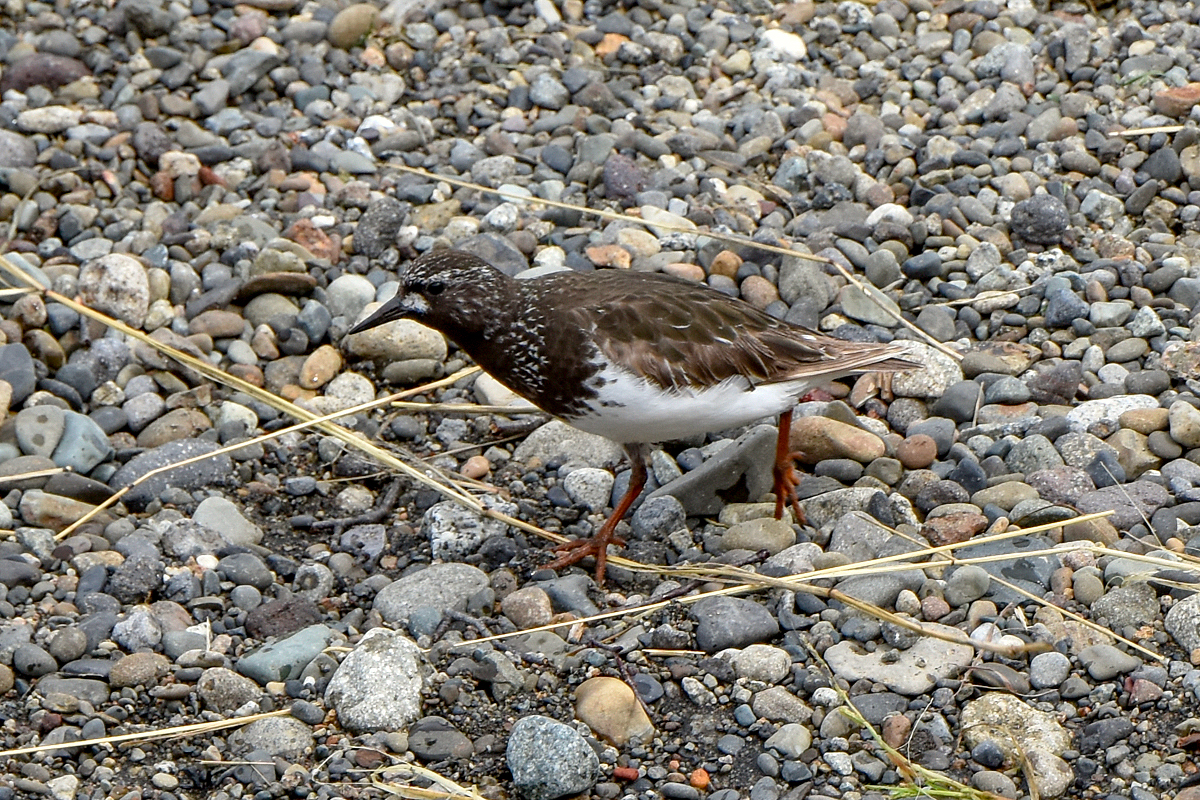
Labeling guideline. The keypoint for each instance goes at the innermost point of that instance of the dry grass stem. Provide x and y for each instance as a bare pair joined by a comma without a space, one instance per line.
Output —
147,736
384,777
1147,131
39,473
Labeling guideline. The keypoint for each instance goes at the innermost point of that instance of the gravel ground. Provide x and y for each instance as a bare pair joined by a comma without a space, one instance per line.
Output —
229,179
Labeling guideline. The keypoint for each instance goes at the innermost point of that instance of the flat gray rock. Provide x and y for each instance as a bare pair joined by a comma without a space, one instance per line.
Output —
908,672
746,461
440,586
214,471
284,659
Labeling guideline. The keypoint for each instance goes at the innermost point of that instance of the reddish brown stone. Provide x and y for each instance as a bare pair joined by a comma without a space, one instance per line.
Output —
934,607
963,20
725,263
610,44
304,233
163,186
835,125
609,255
42,69
280,617
44,226
896,729
247,372
1177,101
209,178
1144,691
953,528
917,452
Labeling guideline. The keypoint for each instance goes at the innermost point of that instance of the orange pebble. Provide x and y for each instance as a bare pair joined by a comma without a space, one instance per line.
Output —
476,467
699,779
625,773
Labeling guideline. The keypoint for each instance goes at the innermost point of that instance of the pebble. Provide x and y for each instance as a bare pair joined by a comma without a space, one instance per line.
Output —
439,586
760,662
725,622
822,438
223,690
549,759
138,669
377,685
529,607
608,706
771,535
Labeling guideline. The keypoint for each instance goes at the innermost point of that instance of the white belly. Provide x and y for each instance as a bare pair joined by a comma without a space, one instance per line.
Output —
631,409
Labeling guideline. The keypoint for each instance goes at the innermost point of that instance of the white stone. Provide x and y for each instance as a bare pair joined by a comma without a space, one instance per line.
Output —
64,787
1108,410
48,119
491,392
760,662
784,44
224,517
590,487
116,284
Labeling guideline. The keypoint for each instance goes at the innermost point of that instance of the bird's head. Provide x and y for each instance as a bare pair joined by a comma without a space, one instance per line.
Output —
448,290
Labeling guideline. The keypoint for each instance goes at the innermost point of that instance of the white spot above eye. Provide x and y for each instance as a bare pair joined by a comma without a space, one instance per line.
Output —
414,303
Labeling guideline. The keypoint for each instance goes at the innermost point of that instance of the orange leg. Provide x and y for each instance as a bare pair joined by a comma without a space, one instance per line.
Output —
786,476
597,545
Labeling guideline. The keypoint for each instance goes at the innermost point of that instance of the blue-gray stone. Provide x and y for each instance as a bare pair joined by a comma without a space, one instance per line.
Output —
246,569
16,368
39,430
548,759
245,69
83,445
285,659
497,251
1063,307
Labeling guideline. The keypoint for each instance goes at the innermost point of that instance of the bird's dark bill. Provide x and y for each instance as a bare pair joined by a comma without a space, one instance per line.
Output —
388,312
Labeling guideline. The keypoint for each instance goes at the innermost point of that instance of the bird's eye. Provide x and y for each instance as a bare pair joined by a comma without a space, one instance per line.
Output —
435,287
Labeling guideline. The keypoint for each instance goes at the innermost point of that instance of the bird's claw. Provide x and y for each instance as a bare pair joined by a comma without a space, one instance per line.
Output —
576,550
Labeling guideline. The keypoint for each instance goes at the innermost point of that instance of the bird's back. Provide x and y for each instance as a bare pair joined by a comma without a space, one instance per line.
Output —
677,333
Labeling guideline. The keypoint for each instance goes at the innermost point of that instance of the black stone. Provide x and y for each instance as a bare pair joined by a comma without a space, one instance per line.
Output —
16,367
1042,219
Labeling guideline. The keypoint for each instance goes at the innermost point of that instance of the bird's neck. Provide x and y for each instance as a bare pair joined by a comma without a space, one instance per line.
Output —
515,342
486,333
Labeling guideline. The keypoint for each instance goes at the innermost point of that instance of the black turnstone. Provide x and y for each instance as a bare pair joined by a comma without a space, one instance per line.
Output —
635,357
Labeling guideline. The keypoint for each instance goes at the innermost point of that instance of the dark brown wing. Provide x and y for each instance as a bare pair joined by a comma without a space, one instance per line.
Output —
678,333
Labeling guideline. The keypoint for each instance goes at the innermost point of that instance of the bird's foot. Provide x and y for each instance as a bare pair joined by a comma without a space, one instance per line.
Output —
576,550
787,478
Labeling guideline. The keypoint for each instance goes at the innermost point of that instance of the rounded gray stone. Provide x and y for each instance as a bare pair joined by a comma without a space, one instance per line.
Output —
548,759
